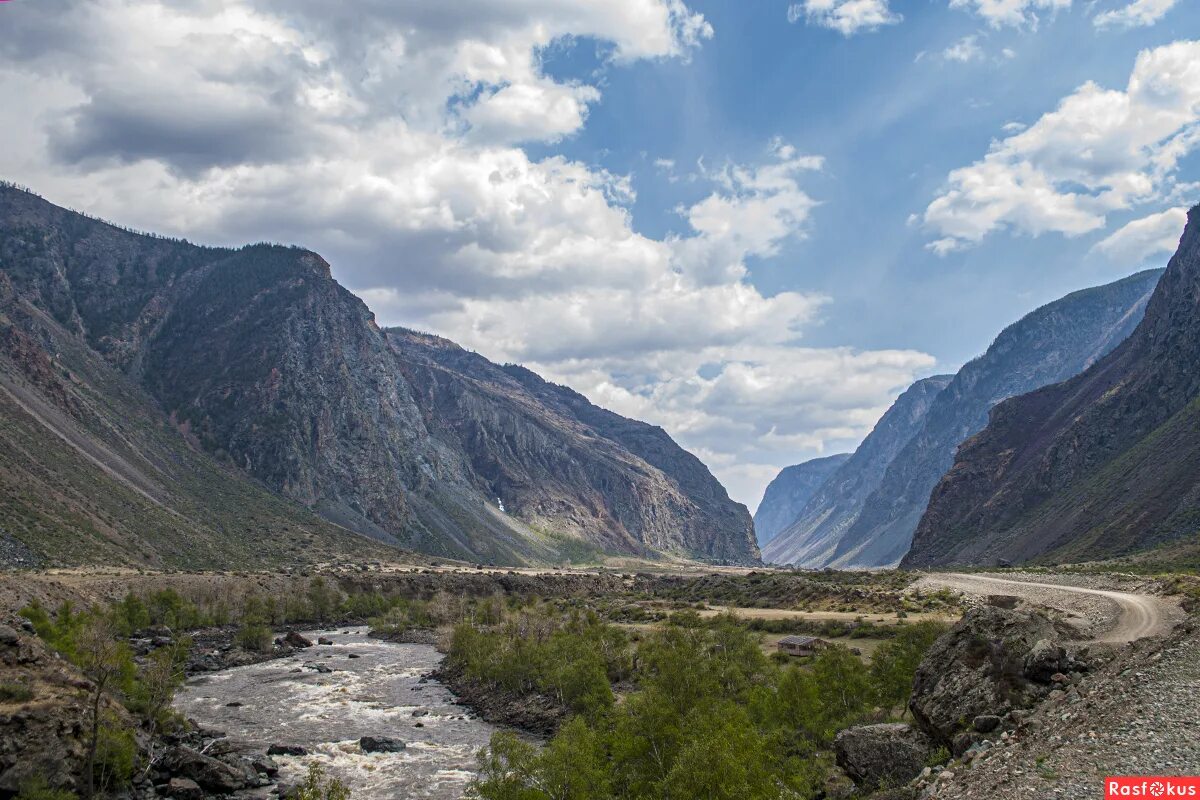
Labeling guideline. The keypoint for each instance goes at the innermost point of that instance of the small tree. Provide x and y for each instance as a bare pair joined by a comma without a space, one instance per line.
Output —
108,665
317,786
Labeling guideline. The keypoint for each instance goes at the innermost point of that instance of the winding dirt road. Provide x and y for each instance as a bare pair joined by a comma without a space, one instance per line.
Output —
1103,615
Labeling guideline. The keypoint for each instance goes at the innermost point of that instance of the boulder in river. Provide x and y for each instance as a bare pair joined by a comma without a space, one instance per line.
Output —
381,744
324,640
184,789
210,774
286,750
294,639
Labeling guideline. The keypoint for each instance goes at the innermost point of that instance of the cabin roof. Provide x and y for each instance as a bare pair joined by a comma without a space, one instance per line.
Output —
800,640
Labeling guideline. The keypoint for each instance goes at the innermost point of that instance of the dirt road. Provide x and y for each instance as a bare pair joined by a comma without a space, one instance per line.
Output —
1102,615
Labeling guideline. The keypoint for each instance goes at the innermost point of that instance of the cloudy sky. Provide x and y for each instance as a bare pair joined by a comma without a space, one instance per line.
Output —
753,223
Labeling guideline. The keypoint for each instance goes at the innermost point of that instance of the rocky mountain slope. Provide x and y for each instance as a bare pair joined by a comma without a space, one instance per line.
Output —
1099,465
268,369
1048,345
812,537
789,492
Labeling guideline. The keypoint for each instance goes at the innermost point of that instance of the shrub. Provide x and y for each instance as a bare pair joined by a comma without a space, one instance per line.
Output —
317,786
15,693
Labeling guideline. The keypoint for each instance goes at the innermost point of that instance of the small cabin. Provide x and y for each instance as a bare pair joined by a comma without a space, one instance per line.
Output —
801,645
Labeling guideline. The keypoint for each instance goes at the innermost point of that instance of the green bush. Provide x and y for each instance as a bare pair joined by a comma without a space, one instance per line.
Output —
38,789
15,693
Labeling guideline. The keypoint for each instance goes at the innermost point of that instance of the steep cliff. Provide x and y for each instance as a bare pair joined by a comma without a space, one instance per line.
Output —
1103,464
562,464
812,538
789,492
267,365
1048,345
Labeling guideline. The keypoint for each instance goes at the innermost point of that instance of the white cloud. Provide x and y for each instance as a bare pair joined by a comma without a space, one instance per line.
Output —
1139,13
1011,12
1139,240
847,17
963,51
386,136
1100,151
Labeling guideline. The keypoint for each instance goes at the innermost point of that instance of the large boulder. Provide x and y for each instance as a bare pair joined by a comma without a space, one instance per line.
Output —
381,744
212,775
993,661
879,756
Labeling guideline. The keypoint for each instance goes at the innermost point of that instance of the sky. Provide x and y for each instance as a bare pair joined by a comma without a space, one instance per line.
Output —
751,223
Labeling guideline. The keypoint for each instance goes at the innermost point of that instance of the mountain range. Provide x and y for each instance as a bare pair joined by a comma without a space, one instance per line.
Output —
1101,465
167,403
873,526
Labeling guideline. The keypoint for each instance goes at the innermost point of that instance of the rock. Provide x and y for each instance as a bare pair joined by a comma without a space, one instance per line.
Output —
1008,601
353,655
184,789
211,774
9,637
265,765
1045,660
986,723
882,755
420,712
286,750
324,640
234,704
980,668
381,744
838,786
294,639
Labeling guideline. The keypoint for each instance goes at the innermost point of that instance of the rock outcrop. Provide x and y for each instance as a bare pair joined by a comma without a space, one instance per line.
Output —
1100,465
993,662
788,494
124,356
812,538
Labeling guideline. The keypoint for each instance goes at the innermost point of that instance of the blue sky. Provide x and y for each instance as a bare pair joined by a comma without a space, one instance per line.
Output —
751,223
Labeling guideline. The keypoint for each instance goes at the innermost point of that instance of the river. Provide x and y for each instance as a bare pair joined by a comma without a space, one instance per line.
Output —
381,692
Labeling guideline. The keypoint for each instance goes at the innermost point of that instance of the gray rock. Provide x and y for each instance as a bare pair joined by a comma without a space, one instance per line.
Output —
184,789
1045,660
296,640
286,750
211,774
980,668
882,755
986,723
381,744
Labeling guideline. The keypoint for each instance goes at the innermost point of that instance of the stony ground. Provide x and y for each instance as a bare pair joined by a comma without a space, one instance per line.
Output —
1139,715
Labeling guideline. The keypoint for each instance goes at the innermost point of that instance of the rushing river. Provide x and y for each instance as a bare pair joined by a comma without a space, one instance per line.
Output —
379,693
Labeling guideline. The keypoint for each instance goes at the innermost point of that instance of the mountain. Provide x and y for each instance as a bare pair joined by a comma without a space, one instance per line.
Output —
789,492
1048,345
258,362
811,539
1103,464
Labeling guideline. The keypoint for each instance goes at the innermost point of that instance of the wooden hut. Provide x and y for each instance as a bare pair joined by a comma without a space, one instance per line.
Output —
801,645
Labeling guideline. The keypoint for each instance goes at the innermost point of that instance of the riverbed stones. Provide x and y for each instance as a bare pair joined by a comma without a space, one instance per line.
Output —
209,773
294,639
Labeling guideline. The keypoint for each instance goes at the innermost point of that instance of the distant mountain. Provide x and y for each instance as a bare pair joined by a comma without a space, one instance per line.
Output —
1048,345
811,539
258,363
789,492
1103,464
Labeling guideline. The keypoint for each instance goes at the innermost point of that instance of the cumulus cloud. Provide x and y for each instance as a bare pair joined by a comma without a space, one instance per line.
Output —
388,136
1139,240
847,17
1139,13
963,51
1100,151
999,13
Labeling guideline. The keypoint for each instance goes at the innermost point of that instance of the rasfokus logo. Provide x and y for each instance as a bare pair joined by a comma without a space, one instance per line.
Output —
1151,786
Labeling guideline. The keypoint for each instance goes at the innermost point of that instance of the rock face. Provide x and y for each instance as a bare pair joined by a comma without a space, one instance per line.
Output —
256,363
554,460
1048,345
992,662
812,538
878,756
1103,464
789,492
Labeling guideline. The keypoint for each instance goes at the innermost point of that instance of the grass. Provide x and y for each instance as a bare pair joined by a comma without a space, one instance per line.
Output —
15,693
